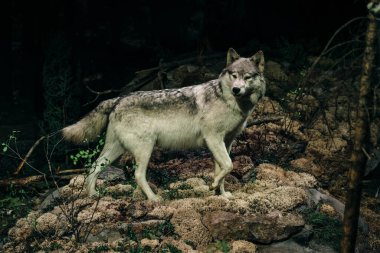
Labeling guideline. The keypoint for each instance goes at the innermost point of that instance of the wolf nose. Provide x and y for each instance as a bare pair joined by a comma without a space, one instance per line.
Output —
235,90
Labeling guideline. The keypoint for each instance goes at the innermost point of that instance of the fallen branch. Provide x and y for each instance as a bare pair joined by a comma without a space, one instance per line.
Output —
31,179
264,120
21,181
28,155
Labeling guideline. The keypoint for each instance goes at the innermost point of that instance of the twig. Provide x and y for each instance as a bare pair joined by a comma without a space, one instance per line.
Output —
328,44
99,93
71,171
28,155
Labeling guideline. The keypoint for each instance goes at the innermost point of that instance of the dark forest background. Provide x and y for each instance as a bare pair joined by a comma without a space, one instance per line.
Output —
102,43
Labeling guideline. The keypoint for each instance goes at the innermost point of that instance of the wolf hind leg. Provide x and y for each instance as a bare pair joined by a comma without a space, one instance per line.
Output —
111,151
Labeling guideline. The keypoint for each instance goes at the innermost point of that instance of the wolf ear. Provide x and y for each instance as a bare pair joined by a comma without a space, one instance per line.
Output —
258,60
232,56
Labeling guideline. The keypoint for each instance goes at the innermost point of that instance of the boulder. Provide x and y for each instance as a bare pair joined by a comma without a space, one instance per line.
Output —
261,228
242,247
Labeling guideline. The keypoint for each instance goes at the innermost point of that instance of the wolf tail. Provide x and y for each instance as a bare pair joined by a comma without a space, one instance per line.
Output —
91,126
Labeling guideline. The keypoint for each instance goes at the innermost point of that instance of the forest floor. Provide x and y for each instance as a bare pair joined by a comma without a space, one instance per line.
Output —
288,186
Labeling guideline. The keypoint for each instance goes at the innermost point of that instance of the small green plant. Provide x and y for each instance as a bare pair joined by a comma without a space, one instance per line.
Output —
54,246
162,177
174,193
171,249
253,176
163,229
87,156
131,234
14,203
223,246
190,243
12,141
218,246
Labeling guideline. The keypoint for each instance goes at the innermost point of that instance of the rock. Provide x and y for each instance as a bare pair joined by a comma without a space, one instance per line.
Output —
120,189
21,247
190,188
328,210
256,228
267,106
46,223
139,209
77,182
107,235
179,244
306,165
242,165
274,71
284,247
316,197
111,173
303,103
139,226
103,210
22,231
320,248
291,246
188,225
271,172
49,200
151,244
199,191
138,194
162,212
326,146
242,247
283,198
304,237
195,182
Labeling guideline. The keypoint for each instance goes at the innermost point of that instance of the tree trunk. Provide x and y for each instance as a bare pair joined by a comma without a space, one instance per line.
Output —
358,157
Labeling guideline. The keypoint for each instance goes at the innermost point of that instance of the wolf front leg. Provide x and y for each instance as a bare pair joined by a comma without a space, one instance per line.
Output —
223,163
218,170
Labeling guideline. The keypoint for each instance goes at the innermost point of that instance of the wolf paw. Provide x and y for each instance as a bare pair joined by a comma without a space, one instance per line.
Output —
227,195
156,198
93,193
213,186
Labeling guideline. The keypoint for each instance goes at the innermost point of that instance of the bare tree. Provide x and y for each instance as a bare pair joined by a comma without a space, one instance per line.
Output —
361,139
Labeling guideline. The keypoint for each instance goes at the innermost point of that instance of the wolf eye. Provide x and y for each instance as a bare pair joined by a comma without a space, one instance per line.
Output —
234,75
247,78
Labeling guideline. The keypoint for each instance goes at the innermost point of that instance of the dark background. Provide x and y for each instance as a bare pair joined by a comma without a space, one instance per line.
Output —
105,42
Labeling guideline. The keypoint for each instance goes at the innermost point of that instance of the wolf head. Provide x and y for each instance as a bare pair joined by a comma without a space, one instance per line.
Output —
244,76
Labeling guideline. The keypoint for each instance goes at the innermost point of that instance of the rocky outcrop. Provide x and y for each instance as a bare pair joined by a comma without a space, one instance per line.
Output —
190,218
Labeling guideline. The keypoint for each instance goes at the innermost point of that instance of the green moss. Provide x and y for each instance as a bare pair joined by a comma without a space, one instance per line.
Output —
222,246
327,230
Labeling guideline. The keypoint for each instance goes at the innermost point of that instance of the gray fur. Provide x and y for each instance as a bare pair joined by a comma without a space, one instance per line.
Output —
210,114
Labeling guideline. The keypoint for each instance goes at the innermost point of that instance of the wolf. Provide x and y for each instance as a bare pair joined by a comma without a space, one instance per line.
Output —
211,114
